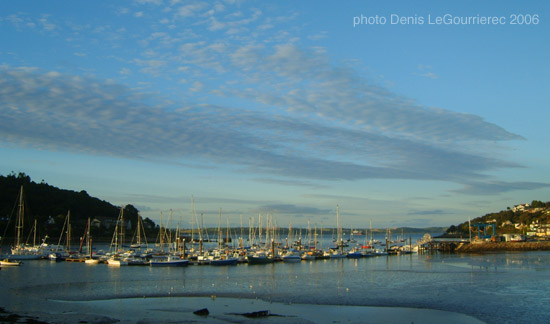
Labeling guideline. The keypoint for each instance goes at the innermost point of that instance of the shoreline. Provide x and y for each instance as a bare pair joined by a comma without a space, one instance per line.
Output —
480,247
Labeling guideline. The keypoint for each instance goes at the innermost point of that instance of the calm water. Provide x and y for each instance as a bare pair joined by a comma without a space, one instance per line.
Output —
495,288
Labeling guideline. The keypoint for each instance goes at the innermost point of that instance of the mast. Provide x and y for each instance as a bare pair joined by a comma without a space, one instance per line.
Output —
192,219
161,233
338,228
138,230
205,230
220,239
241,238
227,232
289,236
20,215
68,248
260,229
200,227
34,233
169,235
89,238
122,228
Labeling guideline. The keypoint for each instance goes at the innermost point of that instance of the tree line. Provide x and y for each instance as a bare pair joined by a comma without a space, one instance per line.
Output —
49,206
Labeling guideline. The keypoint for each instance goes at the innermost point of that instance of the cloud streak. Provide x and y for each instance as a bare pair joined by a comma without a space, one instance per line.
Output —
49,110
291,210
497,187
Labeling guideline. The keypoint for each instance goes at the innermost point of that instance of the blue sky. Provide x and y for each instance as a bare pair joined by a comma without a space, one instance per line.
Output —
282,108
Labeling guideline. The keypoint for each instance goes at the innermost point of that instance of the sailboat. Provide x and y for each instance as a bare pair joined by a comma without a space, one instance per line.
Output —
89,259
140,237
116,259
22,251
339,252
61,253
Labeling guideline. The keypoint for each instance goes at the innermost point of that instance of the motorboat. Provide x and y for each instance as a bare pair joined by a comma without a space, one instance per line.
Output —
169,261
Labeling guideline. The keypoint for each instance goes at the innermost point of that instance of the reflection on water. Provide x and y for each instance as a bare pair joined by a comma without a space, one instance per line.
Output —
495,288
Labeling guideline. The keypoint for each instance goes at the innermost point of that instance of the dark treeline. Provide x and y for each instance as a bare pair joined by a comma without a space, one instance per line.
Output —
49,206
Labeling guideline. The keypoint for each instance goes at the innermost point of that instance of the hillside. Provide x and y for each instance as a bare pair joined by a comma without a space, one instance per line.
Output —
49,206
519,219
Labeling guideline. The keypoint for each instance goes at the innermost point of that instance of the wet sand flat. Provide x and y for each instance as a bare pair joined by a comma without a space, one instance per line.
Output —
230,310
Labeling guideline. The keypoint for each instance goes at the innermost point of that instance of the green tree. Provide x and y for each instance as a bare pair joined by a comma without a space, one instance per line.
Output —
537,204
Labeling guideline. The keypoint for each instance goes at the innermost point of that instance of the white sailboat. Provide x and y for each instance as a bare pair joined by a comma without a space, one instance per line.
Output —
61,253
89,259
117,241
20,250
339,252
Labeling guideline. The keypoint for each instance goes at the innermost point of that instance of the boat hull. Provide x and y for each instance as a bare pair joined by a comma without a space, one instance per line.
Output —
21,257
224,262
292,259
117,263
174,263
9,263
259,260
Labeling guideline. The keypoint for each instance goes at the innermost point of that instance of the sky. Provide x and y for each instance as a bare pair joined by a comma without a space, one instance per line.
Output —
401,113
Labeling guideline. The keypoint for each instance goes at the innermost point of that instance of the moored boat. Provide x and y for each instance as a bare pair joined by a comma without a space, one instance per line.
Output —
291,257
259,258
57,256
354,255
222,262
9,263
91,261
116,261
169,261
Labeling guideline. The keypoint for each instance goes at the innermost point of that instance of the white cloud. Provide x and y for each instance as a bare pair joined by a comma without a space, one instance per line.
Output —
191,9
125,71
146,2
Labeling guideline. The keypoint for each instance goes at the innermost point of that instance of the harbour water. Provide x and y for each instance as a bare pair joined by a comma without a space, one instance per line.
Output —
491,288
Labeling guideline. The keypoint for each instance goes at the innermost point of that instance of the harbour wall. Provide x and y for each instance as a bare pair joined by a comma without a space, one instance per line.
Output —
479,247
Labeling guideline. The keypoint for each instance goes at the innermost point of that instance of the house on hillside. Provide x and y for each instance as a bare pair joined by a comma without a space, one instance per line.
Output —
108,223
543,230
506,223
521,208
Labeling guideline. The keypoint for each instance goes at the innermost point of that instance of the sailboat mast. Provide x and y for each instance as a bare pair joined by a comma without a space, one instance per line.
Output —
121,228
227,232
220,239
192,219
89,241
161,233
139,229
68,248
34,234
339,229
259,229
20,216
170,240
315,237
